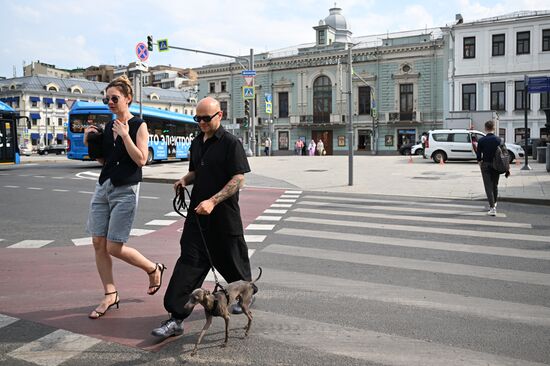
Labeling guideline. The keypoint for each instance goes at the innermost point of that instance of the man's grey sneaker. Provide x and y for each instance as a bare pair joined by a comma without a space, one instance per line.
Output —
237,309
169,328
492,212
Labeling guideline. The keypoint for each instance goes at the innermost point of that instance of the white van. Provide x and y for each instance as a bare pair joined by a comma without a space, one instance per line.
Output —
456,144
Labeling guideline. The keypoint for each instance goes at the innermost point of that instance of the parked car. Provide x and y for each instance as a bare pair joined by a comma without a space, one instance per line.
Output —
53,149
459,145
405,149
530,142
25,150
417,149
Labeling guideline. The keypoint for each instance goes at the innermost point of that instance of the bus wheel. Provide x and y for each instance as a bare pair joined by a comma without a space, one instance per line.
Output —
149,157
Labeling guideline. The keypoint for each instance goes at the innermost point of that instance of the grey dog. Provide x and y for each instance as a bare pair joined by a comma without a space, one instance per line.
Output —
217,304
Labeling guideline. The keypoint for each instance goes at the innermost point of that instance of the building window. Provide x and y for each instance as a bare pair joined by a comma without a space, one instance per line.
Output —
405,102
523,40
34,103
469,97
224,86
502,134
498,96
212,87
545,100
519,103
519,134
48,121
364,99
469,47
60,122
322,99
283,105
321,37
223,107
498,44
35,122
546,39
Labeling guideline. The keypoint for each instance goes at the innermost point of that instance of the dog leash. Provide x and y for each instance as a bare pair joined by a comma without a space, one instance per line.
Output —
180,203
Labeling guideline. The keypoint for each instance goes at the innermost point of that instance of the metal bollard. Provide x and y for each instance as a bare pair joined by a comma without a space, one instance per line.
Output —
548,158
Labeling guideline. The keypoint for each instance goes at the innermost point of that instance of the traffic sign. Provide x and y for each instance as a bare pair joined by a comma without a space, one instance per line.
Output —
142,52
268,97
248,73
248,92
539,84
163,45
142,66
268,107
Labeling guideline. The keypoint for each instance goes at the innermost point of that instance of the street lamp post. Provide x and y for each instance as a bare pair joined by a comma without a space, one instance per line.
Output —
350,118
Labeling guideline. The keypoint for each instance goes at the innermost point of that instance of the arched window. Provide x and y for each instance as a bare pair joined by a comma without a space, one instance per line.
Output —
322,99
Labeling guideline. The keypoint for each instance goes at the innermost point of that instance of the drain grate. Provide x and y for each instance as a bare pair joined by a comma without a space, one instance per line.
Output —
316,170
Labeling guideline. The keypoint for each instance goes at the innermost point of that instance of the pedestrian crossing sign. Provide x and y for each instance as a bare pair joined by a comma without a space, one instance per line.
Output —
248,92
268,107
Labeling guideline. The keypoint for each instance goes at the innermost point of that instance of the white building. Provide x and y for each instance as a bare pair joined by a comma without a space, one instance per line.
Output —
488,63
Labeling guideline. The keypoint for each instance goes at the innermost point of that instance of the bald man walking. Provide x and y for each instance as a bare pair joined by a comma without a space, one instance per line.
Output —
217,165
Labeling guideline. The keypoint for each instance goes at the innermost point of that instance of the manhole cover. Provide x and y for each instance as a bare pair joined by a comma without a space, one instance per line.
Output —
316,170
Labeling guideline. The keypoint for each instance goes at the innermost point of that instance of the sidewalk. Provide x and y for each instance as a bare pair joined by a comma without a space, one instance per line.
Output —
381,175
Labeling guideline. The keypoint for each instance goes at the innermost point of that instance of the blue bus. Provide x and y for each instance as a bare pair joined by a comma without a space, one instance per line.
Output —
170,133
9,149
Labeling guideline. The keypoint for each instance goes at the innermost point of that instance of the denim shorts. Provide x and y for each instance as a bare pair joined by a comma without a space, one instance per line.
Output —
112,211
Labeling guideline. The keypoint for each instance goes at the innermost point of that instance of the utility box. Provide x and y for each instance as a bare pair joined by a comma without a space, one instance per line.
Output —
471,120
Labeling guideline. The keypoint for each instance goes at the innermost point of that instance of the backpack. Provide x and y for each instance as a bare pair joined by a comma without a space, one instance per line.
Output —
501,160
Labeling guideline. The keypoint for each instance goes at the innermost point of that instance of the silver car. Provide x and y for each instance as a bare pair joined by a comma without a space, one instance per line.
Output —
25,150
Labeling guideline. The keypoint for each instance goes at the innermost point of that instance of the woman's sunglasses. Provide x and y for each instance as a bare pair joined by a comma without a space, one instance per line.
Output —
114,98
206,119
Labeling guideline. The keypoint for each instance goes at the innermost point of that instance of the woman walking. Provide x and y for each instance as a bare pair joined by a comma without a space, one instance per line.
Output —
114,202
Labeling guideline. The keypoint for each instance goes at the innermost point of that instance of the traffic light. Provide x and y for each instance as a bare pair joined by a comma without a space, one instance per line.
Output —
150,43
247,108
245,122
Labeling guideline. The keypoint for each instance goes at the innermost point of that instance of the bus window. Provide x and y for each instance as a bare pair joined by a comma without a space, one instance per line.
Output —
79,122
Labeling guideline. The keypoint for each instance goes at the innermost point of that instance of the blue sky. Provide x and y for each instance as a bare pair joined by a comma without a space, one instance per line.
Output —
71,33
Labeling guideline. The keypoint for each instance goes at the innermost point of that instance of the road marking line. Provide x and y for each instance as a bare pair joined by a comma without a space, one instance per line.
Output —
370,346
396,208
31,244
440,220
289,196
416,203
57,177
281,205
148,197
535,315
411,243
254,238
271,211
6,320
293,192
454,269
39,176
259,227
172,214
11,186
85,192
418,229
87,175
82,241
60,190
281,200
35,188
268,218
161,222
210,276
141,232
54,348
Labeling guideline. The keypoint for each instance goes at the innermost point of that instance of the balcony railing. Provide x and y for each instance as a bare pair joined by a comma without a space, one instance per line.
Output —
402,116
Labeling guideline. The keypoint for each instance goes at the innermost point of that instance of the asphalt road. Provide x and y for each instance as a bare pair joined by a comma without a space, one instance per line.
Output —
348,280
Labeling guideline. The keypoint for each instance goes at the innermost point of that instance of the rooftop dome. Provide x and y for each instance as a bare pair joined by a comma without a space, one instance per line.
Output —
335,19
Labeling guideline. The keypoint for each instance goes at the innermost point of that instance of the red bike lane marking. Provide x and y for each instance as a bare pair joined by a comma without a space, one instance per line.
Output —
60,286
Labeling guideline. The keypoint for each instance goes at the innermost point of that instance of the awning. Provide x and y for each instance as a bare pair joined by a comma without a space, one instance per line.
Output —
34,99
48,100
49,136
60,136
9,99
3,100
35,136
60,101
35,115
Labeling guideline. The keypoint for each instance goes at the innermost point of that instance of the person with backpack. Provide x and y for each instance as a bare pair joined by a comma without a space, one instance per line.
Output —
486,151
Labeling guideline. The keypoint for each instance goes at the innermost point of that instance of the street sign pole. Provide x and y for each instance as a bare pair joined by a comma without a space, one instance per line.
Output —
526,133
252,124
350,121
140,94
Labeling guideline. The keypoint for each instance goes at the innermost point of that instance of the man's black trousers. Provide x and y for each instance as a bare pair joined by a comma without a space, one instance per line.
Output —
230,257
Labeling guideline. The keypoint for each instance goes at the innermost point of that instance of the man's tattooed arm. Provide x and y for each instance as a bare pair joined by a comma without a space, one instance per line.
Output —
232,187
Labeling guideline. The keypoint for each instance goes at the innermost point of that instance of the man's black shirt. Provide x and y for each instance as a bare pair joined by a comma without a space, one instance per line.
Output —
486,147
215,161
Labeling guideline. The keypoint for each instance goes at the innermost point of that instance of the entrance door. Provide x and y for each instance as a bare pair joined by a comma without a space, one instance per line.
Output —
365,137
405,137
326,137
7,141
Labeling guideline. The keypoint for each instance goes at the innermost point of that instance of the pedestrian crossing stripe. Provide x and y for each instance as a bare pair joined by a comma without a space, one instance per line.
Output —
161,222
30,244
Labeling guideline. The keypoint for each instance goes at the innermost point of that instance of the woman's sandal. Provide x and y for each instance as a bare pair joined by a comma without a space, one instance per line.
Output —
161,267
99,313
